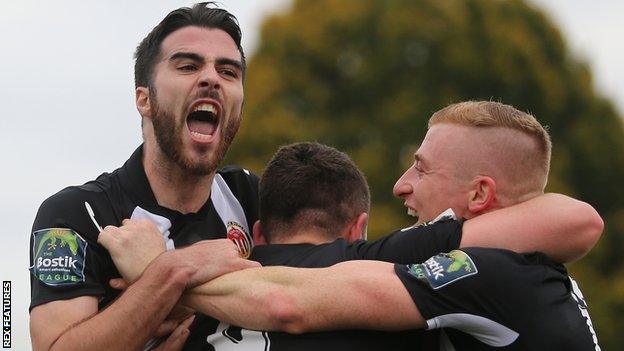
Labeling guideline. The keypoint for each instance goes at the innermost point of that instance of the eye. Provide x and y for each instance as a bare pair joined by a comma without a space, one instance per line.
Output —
187,68
230,72
418,167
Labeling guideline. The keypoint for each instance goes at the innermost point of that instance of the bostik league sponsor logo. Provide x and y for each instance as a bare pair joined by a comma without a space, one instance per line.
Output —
58,257
444,269
6,314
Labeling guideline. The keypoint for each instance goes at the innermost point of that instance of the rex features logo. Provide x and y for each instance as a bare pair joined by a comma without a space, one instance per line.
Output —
58,256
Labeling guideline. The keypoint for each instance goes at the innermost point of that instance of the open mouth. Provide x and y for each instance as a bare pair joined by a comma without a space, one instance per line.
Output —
411,211
203,122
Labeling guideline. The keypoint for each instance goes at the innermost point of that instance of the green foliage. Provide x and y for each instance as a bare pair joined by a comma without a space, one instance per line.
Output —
364,76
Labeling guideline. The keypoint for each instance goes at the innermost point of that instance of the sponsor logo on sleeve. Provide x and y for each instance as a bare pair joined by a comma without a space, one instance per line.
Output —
443,269
58,256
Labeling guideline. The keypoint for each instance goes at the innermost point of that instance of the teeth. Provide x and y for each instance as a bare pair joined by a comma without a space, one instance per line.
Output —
412,212
205,107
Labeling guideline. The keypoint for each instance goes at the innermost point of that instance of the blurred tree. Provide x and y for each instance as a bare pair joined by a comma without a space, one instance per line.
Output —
364,76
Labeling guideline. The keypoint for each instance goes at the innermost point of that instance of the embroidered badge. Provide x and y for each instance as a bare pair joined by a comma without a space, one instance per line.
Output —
58,256
240,237
443,269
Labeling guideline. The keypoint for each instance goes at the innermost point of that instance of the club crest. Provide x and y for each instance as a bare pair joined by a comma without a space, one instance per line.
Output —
240,237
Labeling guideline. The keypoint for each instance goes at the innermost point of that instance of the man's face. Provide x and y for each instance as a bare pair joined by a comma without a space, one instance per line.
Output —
196,97
431,184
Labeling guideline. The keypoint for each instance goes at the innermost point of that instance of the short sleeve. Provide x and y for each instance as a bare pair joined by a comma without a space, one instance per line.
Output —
475,281
410,245
64,259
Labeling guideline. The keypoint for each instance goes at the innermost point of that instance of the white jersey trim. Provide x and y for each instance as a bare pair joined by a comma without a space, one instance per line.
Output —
483,329
162,223
582,306
226,204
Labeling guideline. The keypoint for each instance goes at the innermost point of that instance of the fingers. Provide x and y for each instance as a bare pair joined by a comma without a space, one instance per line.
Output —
176,340
250,264
107,236
180,312
118,284
166,327
187,322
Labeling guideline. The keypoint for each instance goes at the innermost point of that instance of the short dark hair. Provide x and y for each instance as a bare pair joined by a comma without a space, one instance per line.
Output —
200,15
310,185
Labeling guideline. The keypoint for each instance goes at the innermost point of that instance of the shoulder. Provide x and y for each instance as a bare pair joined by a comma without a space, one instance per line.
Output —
485,271
238,177
67,208
243,184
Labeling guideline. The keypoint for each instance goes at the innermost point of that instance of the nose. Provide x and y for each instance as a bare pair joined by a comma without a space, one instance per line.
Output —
402,187
209,78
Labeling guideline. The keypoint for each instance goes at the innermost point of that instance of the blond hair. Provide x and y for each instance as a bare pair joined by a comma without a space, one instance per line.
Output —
496,116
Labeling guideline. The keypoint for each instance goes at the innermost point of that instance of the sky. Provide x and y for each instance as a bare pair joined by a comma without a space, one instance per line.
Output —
68,115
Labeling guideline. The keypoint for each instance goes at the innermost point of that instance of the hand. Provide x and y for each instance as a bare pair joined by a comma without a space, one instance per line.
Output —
208,259
132,246
176,340
179,314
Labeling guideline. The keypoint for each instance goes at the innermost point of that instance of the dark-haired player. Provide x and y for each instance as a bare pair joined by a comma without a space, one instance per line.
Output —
189,75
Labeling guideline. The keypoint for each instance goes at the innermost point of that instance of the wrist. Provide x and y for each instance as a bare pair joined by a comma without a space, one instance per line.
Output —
167,269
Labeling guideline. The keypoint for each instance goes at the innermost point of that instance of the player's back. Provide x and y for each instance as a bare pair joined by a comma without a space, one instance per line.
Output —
226,337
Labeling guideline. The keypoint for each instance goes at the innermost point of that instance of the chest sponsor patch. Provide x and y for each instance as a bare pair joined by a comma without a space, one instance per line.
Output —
443,269
58,256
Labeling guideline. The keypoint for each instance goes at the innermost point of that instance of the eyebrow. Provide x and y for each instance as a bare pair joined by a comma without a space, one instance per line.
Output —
187,55
418,157
200,59
230,62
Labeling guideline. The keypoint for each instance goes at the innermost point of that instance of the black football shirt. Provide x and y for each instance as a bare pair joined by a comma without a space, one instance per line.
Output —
494,299
403,246
66,260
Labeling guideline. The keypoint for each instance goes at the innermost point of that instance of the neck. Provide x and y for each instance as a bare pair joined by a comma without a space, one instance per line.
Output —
173,187
309,237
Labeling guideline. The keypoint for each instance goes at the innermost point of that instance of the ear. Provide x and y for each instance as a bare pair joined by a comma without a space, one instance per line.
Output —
258,237
357,229
142,101
482,197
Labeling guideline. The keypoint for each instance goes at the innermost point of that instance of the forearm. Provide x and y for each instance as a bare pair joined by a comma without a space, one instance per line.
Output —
295,300
562,227
130,321
244,298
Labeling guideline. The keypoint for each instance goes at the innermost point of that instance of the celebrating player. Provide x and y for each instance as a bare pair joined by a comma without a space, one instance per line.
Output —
309,195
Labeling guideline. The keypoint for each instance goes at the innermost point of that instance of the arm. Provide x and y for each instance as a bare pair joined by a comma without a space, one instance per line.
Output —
126,324
135,244
349,295
563,228
132,319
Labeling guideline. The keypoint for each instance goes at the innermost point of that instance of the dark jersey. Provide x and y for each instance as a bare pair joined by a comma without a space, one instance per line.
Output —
67,261
401,246
487,299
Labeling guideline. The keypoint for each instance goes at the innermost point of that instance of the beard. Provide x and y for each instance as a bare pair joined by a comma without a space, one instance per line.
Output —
168,132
